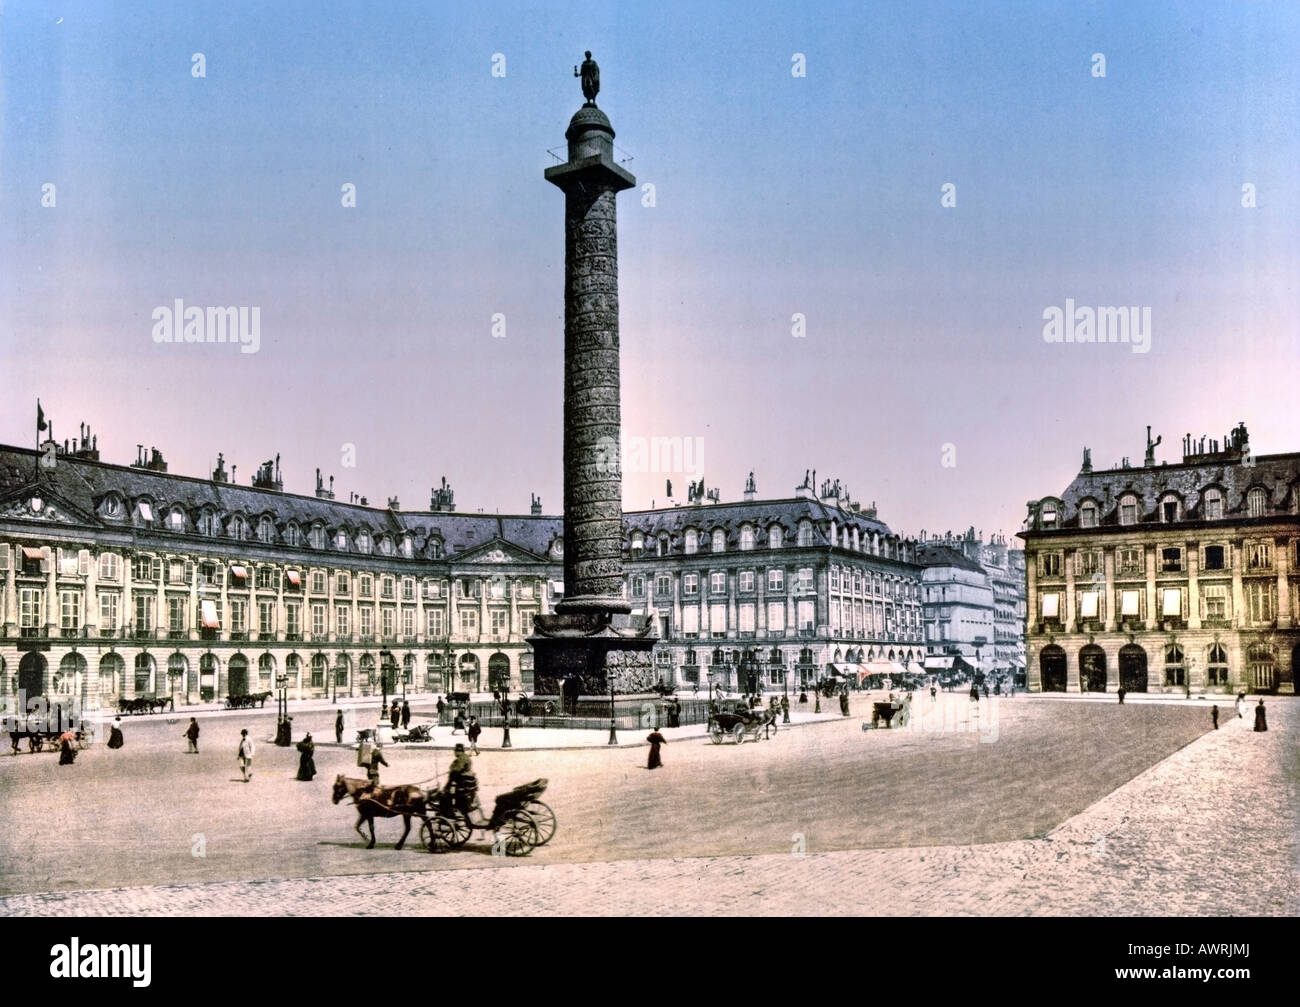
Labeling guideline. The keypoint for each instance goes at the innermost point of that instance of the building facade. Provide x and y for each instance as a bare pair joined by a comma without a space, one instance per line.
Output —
1173,578
123,581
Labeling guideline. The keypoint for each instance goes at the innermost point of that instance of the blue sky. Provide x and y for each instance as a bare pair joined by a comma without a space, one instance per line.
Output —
774,195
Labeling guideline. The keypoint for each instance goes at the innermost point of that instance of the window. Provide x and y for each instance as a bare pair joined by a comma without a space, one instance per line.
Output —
1216,665
1050,564
266,530
408,547
468,622
176,519
342,614
1130,603
144,613
433,589
1259,555
1213,504
108,608
806,616
746,581
717,620
1171,603
207,523
774,537
1128,509
776,580
342,583
1088,515
1171,560
317,536
146,568
745,615
719,543
363,542
267,579
318,668
29,608
318,582
661,546
69,611
341,540
1049,513
292,535
366,586
266,618
110,566
717,583
387,587
176,608
663,585
293,621
638,586
146,511
1256,502
1169,510
1089,605
1051,605
408,622
1214,601
385,545
690,622
1261,601
776,617
690,583
435,548
638,544
1214,557
500,623
1175,673
692,541
238,616
318,620
805,533
408,589
804,584
497,588
435,620
835,578
366,621
746,538
1088,564
1129,561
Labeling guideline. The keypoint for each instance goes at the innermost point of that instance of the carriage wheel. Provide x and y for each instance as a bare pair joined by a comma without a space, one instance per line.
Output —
544,818
738,732
461,829
715,734
439,835
520,833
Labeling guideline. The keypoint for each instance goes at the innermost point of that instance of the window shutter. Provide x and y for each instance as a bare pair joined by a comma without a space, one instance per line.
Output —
5,550
46,560
189,572
83,562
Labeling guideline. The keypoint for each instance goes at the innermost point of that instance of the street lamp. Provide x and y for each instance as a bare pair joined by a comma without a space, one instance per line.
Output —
283,732
613,735
386,662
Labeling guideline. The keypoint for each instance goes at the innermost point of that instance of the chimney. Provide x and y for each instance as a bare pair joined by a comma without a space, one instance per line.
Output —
535,508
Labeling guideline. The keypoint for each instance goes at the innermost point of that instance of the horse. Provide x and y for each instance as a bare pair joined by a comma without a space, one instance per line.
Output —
381,802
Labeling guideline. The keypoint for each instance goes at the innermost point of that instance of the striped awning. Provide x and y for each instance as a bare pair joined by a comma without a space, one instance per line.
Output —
208,615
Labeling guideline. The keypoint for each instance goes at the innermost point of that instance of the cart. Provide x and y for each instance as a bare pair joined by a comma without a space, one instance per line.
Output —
519,822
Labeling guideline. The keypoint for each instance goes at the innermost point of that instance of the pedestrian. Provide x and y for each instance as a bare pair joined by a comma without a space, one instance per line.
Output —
785,708
1261,721
844,703
458,723
372,767
1240,704
192,737
1214,715
472,732
338,727
695,689
656,739
974,692
440,707
406,714
394,715
934,695
115,734
306,764
68,754
1120,694
245,754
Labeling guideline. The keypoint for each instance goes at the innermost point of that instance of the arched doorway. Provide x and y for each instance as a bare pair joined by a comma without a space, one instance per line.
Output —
366,673
237,676
1133,668
266,673
1092,669
31,675
209,668
433,673
1175,667
342,671
144,672
1216,665
68,679
177,671
1262,667
1051,663
468,673
526,680
111,667
499,672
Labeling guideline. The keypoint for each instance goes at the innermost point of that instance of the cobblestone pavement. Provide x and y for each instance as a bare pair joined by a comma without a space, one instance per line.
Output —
1209,830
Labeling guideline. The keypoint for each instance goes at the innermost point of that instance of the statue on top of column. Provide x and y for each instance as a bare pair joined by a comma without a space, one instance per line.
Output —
590,74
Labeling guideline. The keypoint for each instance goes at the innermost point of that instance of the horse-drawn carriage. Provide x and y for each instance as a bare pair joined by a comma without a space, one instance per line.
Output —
519,823
736,719
146,704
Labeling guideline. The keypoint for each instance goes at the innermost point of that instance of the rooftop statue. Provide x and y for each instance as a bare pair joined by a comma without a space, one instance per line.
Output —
590,74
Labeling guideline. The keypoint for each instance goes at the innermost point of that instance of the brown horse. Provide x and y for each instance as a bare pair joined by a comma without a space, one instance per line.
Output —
381,802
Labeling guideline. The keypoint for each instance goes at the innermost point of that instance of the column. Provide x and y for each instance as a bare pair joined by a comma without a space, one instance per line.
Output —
1239,619
1069,620
1283,585
90,599
1193,553
1109,602
52,594
1153,611
1031,592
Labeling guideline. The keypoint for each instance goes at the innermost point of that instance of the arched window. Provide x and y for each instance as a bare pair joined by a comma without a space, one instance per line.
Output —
385,546
319,666
238,528
1174,671
719,543
1128,509
638,544
434,548
207,523
266,530
1088,515
1216,665
1212,504
176,519
341,540
746,537
363,542
805,533
662,545
1256,502
317,536
292,534
408,547
774,537
1171,508
1048,513
692,541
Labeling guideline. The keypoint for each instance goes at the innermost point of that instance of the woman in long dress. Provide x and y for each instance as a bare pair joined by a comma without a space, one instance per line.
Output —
67,754
115,734
656,739
306,762
1261,720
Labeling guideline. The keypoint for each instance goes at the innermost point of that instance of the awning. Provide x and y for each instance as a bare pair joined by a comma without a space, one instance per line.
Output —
30,553
294,577
146,512
239,572
937,663
898,669
208,615
557,587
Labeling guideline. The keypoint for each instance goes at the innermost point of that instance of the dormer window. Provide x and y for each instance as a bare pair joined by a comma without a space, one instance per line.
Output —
435,548
774,537
638,544
112,506
1256,502
1170,509
266,530
146,511
363,542
208,523
805,534
1128,509
176,519
692,541
1213,505
238,528
408,547
1088,515
746,538
719,543
662,546
386,546
1049,514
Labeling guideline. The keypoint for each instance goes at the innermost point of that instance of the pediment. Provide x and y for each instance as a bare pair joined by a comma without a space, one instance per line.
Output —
497,551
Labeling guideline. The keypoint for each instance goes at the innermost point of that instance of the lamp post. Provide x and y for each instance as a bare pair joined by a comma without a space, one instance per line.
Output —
386,662
334,682
283,732
613,734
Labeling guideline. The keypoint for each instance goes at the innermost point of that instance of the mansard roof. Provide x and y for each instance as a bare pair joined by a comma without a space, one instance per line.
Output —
942,555
761,514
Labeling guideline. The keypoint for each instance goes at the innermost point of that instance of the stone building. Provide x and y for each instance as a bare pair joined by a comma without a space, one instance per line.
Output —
1168,577
119,581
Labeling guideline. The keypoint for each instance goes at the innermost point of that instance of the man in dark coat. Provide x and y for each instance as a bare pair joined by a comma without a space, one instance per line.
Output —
1214,715
338,727
1261,720
192,737
656,739
395,714
306,762
406,713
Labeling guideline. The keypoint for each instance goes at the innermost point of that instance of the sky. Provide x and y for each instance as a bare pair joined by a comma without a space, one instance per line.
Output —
922,379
